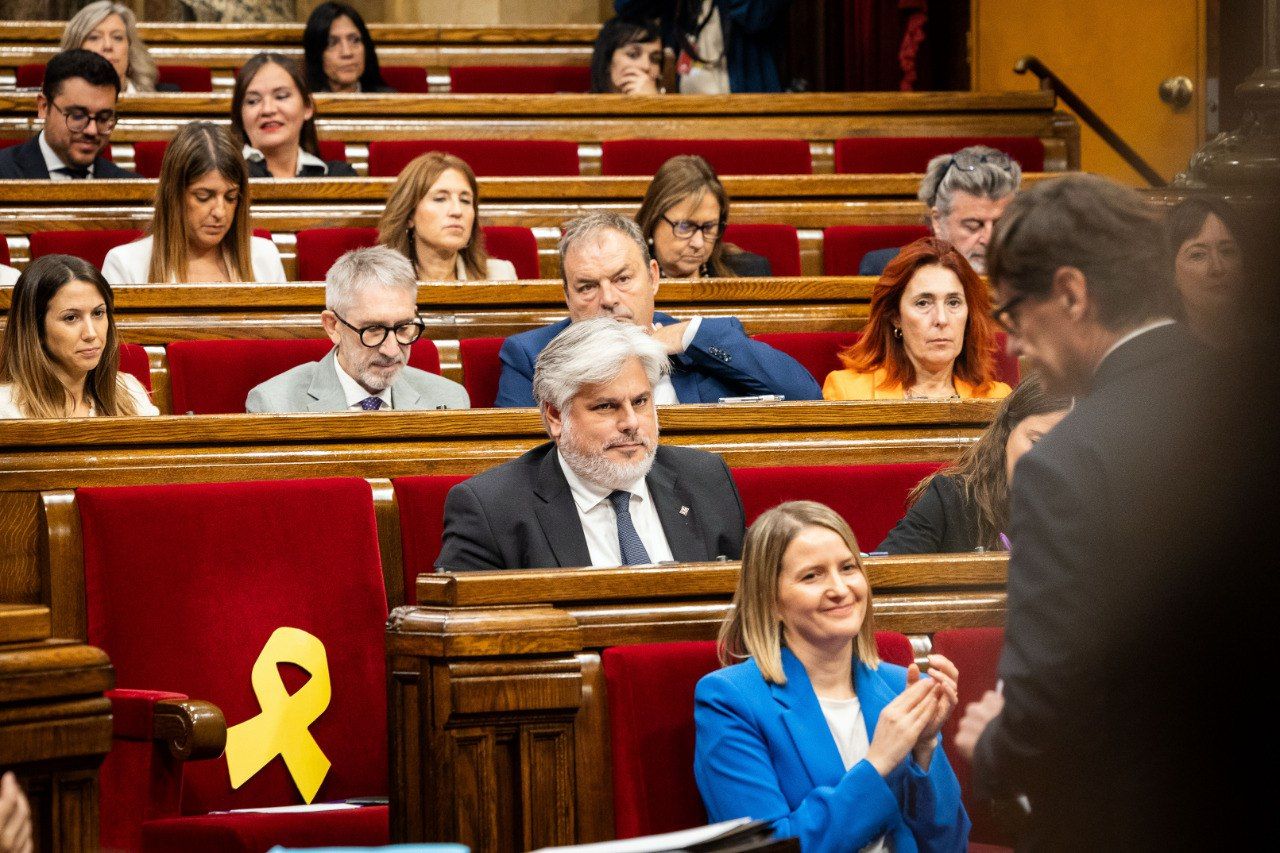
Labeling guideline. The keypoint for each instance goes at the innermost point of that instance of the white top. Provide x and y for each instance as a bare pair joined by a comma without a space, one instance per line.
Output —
355,392
600,523
128,264
711,76
8,275
495,269
129,382
849,729
52,162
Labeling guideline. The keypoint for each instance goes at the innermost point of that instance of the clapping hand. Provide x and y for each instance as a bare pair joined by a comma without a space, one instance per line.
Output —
946,678
903,721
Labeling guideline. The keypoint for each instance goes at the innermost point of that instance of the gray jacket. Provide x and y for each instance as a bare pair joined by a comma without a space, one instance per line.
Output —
314,387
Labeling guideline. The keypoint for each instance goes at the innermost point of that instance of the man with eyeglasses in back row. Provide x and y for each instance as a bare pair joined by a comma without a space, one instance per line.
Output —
371,315
77,104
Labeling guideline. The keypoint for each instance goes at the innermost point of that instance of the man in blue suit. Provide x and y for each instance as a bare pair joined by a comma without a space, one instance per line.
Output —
608,273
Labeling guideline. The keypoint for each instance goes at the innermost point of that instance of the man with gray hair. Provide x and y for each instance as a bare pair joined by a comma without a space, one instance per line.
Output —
608,272
371,315
602,492
966,193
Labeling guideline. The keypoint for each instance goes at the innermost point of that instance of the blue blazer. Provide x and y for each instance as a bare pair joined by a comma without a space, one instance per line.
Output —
721,361
764,751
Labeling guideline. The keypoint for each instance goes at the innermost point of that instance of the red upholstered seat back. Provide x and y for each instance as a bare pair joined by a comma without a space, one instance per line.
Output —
185,584
871,498
514,243
91,246
896,154
148,155
726,156
319,248
844,245
486,157
134,361
481,369
29,76
333,149
519,79
819,352
215,377
779,243
421,503
409,79
4,244
1007,368
188,78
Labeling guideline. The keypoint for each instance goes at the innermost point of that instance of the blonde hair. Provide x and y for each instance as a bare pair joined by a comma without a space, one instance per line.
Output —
754,629
395,228
24,359
142,71
197,149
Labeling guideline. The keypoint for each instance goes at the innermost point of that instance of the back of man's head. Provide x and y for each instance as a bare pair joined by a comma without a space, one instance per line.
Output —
362,269
1114,236
592,352
85,64
590,226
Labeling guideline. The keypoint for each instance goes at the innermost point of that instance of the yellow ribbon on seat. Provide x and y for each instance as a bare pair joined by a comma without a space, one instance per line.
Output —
283,726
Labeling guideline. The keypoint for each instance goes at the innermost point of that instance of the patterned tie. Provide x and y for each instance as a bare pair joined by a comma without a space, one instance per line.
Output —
633,551
371,404
77,173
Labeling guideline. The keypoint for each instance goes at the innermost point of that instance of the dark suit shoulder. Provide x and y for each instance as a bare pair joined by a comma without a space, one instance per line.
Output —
939,522
748,264
104,168
340,169
23,161
522,470
874,262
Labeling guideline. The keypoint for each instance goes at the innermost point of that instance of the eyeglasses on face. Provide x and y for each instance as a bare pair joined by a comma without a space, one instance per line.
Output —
78,118
373,336
685,228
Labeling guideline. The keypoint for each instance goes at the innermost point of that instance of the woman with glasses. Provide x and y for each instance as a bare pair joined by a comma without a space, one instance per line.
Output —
1209,269
200,229
110,30
929,336
433,219
683,214
339,52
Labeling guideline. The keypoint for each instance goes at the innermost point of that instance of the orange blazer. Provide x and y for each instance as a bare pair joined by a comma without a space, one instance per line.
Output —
848,385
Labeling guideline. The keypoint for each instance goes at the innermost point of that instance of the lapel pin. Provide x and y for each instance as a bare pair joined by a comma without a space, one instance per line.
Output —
684,510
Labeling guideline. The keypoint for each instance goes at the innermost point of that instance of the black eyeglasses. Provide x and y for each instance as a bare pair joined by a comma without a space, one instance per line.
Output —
373,336
78,118
1003,314
968,162
684,228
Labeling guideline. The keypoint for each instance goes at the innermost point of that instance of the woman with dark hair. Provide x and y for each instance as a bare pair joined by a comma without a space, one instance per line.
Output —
684,212
930,334
340,54
1208,268
273,118
806,727
60,356
627,58
965,506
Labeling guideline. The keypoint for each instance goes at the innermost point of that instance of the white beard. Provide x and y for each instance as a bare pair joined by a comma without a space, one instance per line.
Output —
594,467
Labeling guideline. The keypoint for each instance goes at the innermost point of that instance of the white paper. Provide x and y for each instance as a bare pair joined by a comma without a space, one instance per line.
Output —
314,807
655,843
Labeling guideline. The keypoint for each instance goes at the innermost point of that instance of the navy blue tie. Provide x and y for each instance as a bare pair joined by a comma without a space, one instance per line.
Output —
633,551
371,404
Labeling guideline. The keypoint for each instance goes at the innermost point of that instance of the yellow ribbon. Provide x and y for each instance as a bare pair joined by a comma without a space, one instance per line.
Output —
282,727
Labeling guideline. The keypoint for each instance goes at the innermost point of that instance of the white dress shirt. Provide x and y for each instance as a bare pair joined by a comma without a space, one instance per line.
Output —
355,392
600,523
664,393
52,162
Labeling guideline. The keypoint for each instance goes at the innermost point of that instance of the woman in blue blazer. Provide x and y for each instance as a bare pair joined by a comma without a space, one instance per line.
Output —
811,731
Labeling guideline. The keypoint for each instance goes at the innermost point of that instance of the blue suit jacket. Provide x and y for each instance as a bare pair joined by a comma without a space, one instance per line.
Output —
874,262
764,751
721,361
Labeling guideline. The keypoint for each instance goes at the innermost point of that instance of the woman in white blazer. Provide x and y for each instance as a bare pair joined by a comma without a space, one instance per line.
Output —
200,229
433,219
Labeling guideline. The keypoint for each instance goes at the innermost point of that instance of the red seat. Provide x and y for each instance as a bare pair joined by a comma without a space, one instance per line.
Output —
215,377
486,157
29,75
188,78
1007,367
135,362
726,156
319,248
91,246
817,351
333,149
148,156
514,243
184,584
4,248
844,245
421,503
409,79
779,243
519,79
896,154
872,498
481,369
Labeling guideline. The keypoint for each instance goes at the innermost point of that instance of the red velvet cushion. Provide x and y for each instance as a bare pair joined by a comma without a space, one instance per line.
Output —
894,648
726,156
975,652
134,361
333,149
185,584
410,79
896,154
91,246
514,243
4,244
1006,366
188,78
30,75
256,832
148,155
421,504
519,79
319,248
844,245
817,351
779,243
486,157
481,369
872,498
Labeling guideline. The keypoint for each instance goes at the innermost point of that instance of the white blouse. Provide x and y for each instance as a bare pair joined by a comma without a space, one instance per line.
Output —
495,269
849,730
8,275
128,383
129,264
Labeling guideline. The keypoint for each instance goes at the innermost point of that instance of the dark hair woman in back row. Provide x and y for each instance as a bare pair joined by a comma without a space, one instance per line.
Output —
627,58
340,54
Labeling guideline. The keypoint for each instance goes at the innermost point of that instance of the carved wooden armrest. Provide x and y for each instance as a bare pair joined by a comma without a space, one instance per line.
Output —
194,729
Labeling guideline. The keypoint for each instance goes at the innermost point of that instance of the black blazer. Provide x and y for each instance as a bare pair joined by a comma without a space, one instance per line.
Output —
521,514
748,265
940,522
25,162
337,169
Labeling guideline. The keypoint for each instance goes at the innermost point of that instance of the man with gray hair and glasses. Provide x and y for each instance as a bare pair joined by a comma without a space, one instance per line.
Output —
371,315
602,492
966,193
608,272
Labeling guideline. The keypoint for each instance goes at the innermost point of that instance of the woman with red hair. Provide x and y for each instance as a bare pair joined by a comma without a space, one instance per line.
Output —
930,335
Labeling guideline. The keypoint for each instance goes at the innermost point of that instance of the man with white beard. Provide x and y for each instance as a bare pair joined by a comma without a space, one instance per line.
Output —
602,492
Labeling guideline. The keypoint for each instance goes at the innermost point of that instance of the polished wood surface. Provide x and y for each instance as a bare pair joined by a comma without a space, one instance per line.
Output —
156,33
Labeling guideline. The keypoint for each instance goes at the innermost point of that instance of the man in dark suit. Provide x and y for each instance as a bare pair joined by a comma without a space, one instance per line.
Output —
77,104
1106,723
608,272
601,492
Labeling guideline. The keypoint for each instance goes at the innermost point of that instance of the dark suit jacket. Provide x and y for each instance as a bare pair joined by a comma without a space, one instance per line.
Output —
874,262
940,522
748,265
721,361
25,162
521,514
337,169
1107,681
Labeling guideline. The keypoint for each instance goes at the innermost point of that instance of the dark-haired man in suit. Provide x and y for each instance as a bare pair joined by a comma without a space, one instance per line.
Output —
77,104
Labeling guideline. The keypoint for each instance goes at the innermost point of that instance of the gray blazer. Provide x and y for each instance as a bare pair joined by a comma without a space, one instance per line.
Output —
314,387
